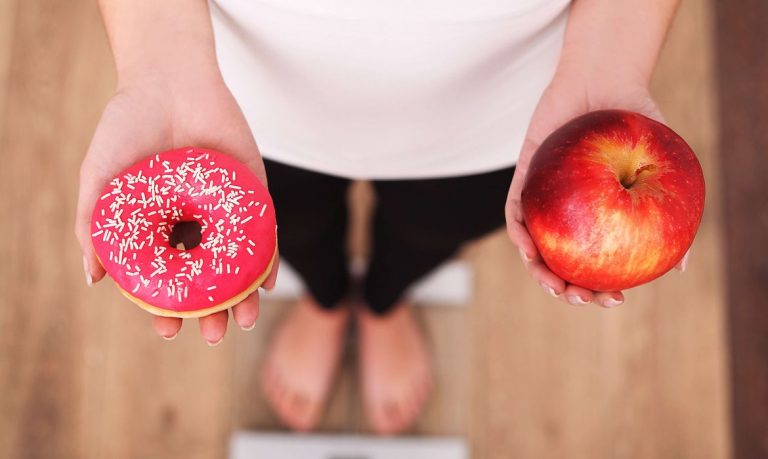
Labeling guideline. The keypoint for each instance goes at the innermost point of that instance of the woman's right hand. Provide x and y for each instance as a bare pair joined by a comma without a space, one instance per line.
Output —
158,112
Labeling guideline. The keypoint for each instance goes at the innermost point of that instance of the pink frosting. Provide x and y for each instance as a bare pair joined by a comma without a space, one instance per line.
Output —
132,222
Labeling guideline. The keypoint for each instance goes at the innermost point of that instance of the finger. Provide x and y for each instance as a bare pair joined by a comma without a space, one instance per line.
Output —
546,278
513,210
167,327
246,312
608,299
269,282
683,264
519,235
90,187
576,296
214,327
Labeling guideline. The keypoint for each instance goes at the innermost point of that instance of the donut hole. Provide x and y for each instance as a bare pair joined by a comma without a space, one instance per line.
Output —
186,235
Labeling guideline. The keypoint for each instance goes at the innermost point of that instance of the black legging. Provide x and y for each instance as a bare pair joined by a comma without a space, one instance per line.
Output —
418,224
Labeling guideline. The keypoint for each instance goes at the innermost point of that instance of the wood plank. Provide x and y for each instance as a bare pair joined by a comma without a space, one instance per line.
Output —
742,66
41,320
7,29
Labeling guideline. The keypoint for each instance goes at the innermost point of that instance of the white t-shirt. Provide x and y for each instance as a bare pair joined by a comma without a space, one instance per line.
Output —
387,89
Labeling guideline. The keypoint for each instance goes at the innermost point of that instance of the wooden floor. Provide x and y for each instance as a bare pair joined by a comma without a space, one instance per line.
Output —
520,375
742,58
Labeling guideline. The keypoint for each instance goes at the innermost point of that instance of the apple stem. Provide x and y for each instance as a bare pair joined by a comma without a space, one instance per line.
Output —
627,182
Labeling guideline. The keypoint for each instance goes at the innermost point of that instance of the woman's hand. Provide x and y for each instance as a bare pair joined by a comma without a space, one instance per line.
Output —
156,113
604,64
567,97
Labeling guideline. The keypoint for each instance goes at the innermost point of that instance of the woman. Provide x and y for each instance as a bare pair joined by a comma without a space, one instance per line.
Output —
438,103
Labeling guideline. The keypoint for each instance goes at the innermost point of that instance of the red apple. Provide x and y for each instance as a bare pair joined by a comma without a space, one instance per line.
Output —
612,200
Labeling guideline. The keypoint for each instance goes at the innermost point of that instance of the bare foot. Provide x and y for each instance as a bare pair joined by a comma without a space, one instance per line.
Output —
395,367
301,363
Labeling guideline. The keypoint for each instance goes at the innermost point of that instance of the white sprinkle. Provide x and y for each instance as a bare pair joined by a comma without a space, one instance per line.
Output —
263,208
212,287
210,298
248,218
249,250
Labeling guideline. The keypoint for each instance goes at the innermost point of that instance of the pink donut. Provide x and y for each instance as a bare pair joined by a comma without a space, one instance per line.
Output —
203,197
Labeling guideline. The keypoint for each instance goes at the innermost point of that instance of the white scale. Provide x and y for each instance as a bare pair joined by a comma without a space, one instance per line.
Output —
449,284
253,445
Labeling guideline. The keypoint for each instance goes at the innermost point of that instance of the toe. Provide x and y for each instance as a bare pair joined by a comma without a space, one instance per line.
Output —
302,411
410,409
377,418
296,411
390,418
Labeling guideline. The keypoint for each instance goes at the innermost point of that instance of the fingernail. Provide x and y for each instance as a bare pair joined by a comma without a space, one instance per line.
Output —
250,327
549,290
172,337
611,302
88,277
576,299
215,343
684,262
524,256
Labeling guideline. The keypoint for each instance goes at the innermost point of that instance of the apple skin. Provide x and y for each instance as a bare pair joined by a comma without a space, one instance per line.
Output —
612,200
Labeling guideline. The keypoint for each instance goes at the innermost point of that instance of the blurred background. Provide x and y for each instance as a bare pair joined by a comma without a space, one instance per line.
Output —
680,371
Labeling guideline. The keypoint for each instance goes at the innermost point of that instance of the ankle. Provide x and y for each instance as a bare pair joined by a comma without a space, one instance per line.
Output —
309,305
397,313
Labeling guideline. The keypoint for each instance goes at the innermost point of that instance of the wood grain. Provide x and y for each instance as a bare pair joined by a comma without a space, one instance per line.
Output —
742,58
520,375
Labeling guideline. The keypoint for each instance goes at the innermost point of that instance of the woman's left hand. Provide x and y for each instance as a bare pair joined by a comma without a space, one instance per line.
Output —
567,97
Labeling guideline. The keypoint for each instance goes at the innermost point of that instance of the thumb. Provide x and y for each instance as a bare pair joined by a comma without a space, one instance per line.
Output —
516,229
91,184
269,282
